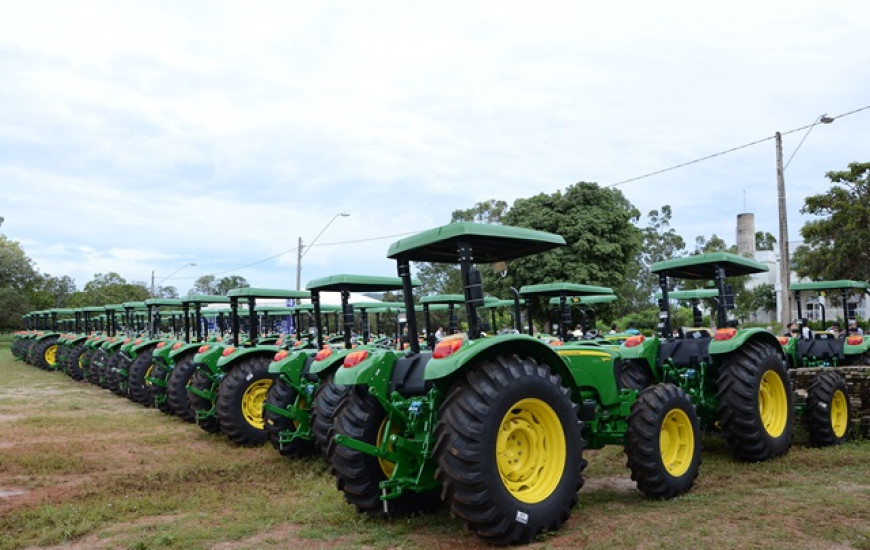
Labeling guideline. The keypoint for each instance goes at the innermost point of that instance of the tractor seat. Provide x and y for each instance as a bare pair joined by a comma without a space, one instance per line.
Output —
696,332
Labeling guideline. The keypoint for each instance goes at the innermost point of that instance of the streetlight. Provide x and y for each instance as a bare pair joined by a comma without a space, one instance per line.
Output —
784,271
168,276
300,254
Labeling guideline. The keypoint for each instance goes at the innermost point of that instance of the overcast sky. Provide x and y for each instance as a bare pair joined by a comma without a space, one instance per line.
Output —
143,136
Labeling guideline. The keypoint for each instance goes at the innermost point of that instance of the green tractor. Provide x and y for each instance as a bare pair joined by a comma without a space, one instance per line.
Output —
300,404
828,367
111,363
737,378
496,426
100,346
168,388
43,346
231,381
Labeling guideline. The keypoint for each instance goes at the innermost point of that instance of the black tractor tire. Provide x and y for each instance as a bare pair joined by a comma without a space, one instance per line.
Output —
663,443
95,371
828,413
113,378
756,405
18,348
240,401
358,475
75,369
634,374
509,450
283,395
176,387
136,383
201,381
45,354
158,393
327,398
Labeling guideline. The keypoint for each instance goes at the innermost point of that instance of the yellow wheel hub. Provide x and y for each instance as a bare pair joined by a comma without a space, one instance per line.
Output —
677,442
51,354
252,402
148,374
386,466
773,403
839,414
531,450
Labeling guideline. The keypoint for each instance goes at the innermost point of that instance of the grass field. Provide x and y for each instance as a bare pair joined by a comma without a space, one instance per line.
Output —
82,468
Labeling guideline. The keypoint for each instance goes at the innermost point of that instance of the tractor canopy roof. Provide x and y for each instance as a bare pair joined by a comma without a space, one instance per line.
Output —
114,307
162,302
365,306
358,283
433,307
829,285
443,299
134,305
324,308
509,303
249,292
275,310
489,243
63,311
566,289
594,299
90,309
205,299
703,266
398,308
690,294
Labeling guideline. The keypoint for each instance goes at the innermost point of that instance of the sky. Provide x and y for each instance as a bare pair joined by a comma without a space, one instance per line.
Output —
141,137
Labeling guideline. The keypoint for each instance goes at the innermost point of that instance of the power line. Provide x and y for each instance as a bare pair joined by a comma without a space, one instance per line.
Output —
725,152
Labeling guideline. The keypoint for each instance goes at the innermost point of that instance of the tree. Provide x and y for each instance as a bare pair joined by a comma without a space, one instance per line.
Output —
836,243
108,288
764,240
225,284
18,278
52,292
660,242
596,223
207,284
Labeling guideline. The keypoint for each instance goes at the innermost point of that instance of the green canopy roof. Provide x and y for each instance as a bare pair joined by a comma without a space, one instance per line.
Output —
829,285
324,308
703,266
267,293
489,243
358,283
205,299
559,289
134,305
443,299
586,300
690,294
162,302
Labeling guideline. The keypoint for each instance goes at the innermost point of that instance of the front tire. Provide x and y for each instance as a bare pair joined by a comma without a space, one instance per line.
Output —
282,395
136,376
663,443
828,414
509,450
327,398
176,387
756,405
203,382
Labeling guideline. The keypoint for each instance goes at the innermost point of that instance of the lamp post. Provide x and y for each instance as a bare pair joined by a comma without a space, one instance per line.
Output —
299,251
784,271
168,276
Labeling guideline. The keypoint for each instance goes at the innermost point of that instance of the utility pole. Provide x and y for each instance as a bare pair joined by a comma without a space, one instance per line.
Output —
785,298
299,265
152,283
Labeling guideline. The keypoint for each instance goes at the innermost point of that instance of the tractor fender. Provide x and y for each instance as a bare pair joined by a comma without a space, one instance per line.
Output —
473,352
319,369
856,349
162,352
294,366
143,346
376,370
184,348
723,347
77,340
225,363
647,350
209,358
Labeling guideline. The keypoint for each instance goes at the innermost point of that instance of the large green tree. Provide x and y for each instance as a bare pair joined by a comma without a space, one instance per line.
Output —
836,243
18,278
108,288
209,284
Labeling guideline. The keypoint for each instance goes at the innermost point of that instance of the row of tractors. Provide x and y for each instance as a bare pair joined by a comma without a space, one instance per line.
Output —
494,425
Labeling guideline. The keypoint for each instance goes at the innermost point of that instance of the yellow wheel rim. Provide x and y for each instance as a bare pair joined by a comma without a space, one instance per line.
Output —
531,450
252,402
677,442
839,414
148,374
773,403
51,354
80,362
386,466
302,404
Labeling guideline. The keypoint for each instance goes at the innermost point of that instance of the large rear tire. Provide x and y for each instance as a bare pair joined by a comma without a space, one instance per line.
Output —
136,383
509,450
282,395
327,398
239,403
756,405
663,443
176,387
46,353
202,382
828,414
75,368
358,474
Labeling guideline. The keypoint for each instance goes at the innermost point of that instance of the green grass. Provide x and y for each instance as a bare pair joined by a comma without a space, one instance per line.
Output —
102,472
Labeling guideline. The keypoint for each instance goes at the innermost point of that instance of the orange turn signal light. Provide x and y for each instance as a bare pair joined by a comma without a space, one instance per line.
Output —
633,341
204,348
323,353
725,334
354,358
446,348
281,355
228,351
